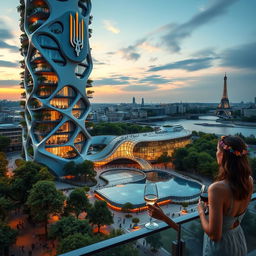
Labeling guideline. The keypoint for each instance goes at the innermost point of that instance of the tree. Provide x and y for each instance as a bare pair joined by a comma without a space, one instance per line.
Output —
100,215
185,205
190,161
86,170
74,242
5,207
19,162
178,157
78,202
164,158
69,226
25,176
7,238
70,168
4,143
127,207
3,164
44,200
44,174
135,221
154,241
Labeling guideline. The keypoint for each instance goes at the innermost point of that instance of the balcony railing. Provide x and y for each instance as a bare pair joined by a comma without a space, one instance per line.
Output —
105,245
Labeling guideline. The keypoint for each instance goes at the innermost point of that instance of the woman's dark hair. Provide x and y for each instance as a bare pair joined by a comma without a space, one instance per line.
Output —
234,166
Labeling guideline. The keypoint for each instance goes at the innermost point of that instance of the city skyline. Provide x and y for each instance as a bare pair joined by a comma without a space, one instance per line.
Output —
168,52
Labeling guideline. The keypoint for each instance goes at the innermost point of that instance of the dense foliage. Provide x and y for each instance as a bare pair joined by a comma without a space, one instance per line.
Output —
69,226
99,214
7,238
83,171
251,140
43,200
118,129
164,158
25,176
78,202
198,157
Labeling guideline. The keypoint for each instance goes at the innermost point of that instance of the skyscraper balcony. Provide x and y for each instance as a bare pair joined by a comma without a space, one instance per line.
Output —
36,56
39,11
35,24
44,69
188,240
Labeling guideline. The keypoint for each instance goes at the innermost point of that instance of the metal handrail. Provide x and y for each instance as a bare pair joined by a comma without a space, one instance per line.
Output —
129,237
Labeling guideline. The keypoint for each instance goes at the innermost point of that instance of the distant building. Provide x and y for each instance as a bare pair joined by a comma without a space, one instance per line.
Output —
249,112
133,101
176,108
140,148
224,110
142,102
14,132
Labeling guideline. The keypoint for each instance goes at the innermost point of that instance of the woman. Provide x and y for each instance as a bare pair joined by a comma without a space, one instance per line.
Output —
228,199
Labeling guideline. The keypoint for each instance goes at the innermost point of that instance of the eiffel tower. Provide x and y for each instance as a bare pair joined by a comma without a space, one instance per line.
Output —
224,110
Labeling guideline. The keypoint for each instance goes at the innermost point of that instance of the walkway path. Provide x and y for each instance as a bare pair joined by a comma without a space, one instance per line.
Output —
30,240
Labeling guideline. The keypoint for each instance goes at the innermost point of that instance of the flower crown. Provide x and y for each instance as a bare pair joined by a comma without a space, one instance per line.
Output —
230,149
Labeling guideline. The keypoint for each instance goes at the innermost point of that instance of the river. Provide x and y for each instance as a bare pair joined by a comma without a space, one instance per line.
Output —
221,130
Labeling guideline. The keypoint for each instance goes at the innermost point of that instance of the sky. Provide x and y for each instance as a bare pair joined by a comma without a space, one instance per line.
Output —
164,51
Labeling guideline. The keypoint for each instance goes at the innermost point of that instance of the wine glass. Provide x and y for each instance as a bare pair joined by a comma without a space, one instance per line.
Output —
150,197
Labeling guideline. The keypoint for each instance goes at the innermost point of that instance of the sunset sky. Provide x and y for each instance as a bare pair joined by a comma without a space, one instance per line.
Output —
164,50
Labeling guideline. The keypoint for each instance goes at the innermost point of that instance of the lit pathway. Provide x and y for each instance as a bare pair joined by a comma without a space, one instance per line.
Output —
30,240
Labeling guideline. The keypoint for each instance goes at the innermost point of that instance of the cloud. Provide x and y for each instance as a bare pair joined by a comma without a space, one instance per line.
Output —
4,63
108,25
97,62
9,82
209,52
129,53
4,35
188,64
124,78
140,88
109,81
172,35
243,56
155,79
4,45
177,33
153,59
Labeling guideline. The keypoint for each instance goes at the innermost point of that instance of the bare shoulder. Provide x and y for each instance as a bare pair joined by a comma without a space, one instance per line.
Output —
252,181
217,187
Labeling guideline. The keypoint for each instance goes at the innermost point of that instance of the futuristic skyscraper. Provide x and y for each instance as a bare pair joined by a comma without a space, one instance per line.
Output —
57,88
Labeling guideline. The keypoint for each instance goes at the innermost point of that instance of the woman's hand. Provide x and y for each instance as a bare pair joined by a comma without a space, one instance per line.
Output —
156,212
201,206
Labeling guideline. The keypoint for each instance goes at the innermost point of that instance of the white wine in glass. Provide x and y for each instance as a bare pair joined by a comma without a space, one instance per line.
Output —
150,197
